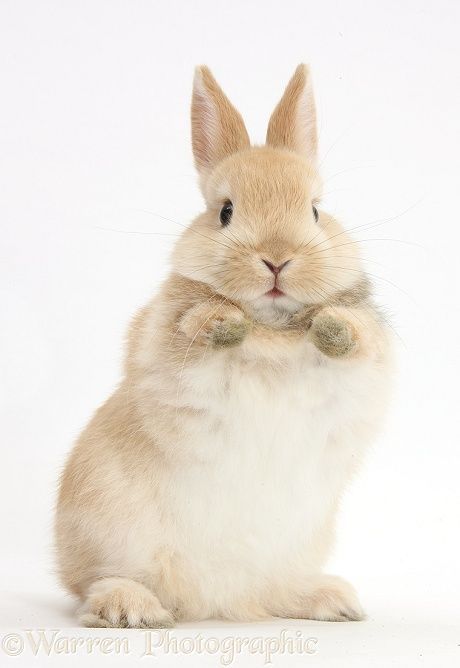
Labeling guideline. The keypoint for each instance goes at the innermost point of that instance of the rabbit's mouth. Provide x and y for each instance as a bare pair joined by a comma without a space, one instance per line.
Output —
274,307
275,292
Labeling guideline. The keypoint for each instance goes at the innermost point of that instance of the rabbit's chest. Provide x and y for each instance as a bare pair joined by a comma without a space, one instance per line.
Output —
256,407
266,425
271,453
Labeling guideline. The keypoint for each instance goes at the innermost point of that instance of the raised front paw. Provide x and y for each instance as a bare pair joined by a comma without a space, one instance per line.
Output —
333,336
229,331
221,326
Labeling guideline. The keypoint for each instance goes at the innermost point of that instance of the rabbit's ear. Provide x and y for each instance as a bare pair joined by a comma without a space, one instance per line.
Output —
217,127
293,123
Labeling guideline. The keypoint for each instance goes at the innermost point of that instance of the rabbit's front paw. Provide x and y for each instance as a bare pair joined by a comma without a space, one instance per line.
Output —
221,326
333,336
229,332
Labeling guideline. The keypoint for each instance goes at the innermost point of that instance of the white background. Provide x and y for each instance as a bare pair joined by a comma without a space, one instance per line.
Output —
95,147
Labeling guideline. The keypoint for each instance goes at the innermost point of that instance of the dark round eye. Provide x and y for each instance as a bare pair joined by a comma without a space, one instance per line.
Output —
315,212
226,213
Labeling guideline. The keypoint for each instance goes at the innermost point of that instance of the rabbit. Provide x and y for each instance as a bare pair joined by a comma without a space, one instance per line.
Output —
207,486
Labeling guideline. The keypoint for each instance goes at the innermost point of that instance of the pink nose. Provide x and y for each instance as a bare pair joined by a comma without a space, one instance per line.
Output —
273,268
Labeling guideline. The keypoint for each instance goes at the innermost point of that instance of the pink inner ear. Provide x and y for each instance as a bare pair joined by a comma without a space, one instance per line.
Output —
292,124
217,128
306,134
204,128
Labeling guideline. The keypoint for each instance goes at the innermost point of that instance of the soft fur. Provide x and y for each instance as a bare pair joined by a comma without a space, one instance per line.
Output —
207,485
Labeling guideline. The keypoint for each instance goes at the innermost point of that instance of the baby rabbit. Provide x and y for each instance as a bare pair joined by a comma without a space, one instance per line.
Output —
208,484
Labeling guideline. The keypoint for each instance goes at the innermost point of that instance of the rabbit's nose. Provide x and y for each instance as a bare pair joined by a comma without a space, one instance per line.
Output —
273,268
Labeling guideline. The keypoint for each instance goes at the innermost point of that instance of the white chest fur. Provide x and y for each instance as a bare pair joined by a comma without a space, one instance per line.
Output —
269,453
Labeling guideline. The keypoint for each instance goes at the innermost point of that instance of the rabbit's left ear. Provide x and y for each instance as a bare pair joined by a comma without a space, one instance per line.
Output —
293,123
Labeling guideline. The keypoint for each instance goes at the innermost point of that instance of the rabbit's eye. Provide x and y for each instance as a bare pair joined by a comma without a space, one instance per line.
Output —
226,213
315,212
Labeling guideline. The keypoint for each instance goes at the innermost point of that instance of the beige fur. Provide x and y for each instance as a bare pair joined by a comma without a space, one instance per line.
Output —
208,484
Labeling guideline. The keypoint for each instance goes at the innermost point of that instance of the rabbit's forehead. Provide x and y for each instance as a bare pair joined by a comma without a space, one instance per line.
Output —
255,179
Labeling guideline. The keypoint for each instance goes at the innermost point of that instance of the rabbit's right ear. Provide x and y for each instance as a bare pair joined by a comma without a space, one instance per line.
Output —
217,127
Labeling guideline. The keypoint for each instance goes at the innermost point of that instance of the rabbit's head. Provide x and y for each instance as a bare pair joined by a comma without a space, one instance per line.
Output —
263,241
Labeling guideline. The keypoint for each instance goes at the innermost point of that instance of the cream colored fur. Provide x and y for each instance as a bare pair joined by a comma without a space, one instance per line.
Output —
207,485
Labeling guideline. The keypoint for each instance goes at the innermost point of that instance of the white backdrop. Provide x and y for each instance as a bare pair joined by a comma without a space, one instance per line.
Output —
95,148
